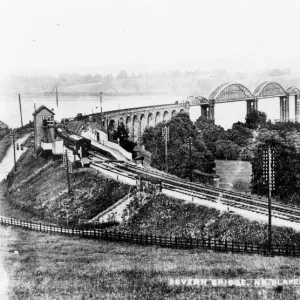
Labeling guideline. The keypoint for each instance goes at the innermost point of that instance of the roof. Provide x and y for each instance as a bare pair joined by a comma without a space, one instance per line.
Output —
41,108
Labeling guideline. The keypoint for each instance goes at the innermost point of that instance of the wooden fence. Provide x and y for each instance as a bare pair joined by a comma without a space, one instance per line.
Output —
162,241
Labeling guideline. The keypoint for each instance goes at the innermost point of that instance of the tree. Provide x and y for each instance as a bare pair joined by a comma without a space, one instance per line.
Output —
122,135
180,129
227,149
256,119
286,170
210,132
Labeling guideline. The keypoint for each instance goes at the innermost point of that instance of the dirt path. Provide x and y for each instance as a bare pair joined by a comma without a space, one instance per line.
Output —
7,235
7,163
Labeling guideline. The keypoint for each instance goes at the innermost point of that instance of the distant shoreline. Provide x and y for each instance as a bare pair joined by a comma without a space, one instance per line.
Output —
104,93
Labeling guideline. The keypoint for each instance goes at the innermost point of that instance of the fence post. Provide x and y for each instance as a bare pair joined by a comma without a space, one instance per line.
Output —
151,239
232,246
209,245
225,245
176,242
160,244
60,230
120,237
294,250
246,250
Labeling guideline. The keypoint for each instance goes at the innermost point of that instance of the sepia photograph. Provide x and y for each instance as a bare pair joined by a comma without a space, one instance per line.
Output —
149,149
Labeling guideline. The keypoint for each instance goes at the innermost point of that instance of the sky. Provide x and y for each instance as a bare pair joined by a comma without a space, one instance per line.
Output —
51,37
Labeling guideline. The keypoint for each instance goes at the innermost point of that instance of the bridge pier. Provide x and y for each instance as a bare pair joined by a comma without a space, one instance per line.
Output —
297,109
204,111
284,109
212,110
252,105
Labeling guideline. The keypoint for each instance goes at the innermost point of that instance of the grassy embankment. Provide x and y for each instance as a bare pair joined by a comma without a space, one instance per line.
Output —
58,267
166,216
40,187
6,142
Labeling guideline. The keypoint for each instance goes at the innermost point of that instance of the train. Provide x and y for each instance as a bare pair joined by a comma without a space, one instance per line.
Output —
78,144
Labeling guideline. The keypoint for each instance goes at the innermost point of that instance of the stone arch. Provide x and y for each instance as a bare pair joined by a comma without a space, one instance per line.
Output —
111,128
143,124
128,126
135,128
151,120
158,118
121,121
173,113
166,116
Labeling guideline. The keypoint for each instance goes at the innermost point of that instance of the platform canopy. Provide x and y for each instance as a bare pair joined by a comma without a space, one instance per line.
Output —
197,100
269,89
229,92
293,91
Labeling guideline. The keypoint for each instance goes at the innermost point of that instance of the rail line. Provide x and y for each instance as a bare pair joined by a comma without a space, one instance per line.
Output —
249,203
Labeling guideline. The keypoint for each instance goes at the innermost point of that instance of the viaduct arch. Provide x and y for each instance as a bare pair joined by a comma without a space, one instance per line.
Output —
137,119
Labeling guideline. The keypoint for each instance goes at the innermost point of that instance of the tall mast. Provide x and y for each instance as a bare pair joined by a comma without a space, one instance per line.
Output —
20,110
56,93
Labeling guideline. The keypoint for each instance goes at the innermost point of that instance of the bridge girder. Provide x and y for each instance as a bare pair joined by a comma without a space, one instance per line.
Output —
230,92
269,89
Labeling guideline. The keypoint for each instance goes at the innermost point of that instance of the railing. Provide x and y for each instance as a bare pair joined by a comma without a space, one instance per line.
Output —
162,241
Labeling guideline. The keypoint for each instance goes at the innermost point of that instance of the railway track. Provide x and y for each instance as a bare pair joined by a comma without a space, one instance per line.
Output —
215,195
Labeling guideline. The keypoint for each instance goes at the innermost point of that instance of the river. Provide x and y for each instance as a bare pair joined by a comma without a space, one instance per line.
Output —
71,105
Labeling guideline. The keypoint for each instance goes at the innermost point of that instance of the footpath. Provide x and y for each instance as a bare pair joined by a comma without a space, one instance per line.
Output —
7,234
7,163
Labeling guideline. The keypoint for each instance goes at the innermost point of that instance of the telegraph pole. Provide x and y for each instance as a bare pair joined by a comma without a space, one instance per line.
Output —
15,163
190,147
67,168
165,134
101,111
20,110
270,181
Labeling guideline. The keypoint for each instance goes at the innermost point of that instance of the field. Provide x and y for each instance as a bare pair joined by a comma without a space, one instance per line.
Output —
56,267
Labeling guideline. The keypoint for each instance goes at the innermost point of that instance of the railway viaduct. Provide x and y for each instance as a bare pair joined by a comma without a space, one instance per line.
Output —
280,105
269,96
137,119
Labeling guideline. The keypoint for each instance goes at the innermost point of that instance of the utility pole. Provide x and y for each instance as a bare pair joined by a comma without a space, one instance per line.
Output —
13,136
67,169
101,110
190,147
107,130
20,110
165,134
269,179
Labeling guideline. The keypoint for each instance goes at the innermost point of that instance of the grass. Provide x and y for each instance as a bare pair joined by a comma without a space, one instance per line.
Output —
4,145
58,267
40,187
168,216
